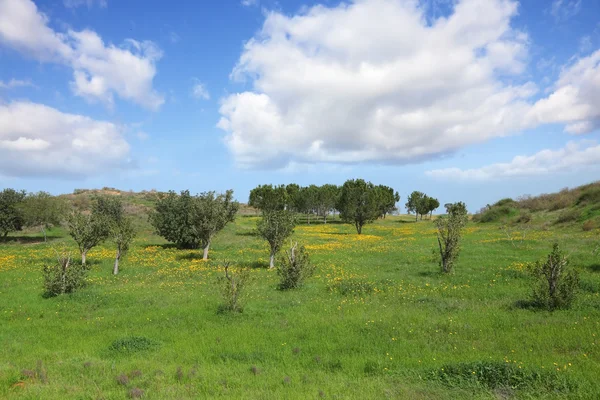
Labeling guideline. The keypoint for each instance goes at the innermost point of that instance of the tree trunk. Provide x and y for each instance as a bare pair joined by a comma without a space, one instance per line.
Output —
83,257
44,232
442,255
416,216
272,261
325,219
358,228
205,257
116,268
308,218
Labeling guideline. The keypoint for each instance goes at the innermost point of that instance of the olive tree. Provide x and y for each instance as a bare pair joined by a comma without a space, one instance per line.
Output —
122,233
449,234
415,203
358,204
386,200
11,214
88,231
275,227
43,210
269,198
212,213
327,197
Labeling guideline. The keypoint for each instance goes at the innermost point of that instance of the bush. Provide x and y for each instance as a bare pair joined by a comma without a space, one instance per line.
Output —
449,234
64,276
568,216
504,202
524,217
495,213
588,226
294,268
233,287
555,283
590,196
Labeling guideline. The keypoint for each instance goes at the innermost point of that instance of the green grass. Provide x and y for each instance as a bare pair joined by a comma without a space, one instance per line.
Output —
376,321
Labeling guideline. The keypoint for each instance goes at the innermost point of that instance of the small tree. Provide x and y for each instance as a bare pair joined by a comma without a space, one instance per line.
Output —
88,231
386,200
275,227
358,203
43,210
173,219
122,234
432,205
327,198
415,203
269,198
233,288
555,282
449,234
63,277
294,268
11,214
212,214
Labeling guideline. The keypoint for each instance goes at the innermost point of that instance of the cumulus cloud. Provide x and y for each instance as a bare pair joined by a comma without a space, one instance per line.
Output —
37,140
199,90
372,81
573,156
100,71
376,81
575,97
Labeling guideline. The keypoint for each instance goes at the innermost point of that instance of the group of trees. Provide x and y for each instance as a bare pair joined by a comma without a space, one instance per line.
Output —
357,201
421,204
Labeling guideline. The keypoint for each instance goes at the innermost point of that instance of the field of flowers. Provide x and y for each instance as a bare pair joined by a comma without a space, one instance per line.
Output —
377,320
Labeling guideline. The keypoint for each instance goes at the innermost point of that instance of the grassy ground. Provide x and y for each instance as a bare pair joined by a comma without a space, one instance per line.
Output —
377,320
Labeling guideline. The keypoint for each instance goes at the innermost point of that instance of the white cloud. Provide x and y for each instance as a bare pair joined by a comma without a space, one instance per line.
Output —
88,3
99,71
199,90
573,156
15,83
37,140
248,3
562,10
575,98
372,81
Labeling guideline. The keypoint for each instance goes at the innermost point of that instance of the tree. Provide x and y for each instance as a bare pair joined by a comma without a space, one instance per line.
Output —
415,201
192,221
11,215
88,231
211,214
121,234
269,198
293,197
432,205
109,207
449,234
309,200
358,203
275,227
555,282
327,197
386,199
294,268
43,210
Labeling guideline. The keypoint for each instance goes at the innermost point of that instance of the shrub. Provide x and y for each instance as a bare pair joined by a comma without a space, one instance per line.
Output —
588,226
524,217
555,283
449,234
589,196
504,202
568,216
294,267
495,213
64,276
233,288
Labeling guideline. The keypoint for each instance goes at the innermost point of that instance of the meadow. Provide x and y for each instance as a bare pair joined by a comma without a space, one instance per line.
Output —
377,320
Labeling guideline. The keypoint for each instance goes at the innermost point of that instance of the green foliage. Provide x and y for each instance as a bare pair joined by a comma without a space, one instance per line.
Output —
275,227
449,234
108,207
269,198
358,203
11,214
386,199
121,234
568,216
326,199
133,344
496,375
415,203
496,213
294,268
64,276
233,289
193,221
43,210
504,202
355,287
590,196
88,231
555,282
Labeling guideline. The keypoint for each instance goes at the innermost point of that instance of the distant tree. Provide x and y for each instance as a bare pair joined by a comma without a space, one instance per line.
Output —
212,213
43,210
432,205
11,214
327,197
275,227
293,197
449,234
122,233
88,231
358,203
386,200
269,198
414,203
310,198
109,207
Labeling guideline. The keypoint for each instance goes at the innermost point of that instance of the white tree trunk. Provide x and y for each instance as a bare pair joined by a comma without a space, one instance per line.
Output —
272,261
116,267
205,257
83,257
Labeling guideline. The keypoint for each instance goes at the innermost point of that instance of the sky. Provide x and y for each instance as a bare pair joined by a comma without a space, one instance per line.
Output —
465,100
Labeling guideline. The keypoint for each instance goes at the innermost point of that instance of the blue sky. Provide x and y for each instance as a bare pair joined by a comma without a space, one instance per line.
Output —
469,100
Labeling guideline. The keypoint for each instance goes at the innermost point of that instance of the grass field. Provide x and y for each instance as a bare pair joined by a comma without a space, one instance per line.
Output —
376,321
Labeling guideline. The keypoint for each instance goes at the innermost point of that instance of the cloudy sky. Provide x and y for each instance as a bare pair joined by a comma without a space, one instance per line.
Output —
468,100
